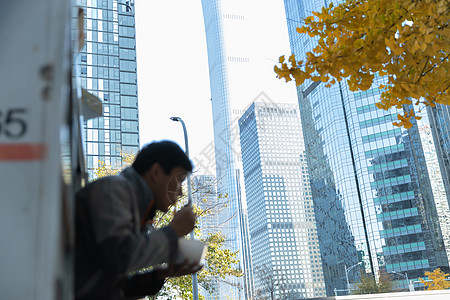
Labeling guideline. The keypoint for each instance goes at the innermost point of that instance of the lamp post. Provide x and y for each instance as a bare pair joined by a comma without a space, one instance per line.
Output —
410,286
194,276
346,273
126,5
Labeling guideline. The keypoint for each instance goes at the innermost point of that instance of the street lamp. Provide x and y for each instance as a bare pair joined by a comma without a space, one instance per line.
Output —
178,119
346,273
194,276
410,286
126,5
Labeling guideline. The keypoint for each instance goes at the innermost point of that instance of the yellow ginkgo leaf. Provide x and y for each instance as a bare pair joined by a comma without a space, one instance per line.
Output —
354,40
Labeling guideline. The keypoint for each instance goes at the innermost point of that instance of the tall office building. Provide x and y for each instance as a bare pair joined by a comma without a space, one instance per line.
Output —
376,207
246,252
438,147
108,70
285,248
433,152
205,196
243,43
439,117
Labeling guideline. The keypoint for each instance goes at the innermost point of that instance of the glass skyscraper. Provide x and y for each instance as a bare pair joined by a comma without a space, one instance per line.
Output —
433,152
206,197
370,181
242,45
439,117
285,249
108,70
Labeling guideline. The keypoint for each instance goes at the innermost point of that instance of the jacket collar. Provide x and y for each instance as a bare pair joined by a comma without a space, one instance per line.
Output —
143,191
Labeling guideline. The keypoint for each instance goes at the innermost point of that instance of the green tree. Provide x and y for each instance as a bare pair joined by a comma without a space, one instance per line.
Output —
408,41
368,285
220,262
437,282
273,284
107,170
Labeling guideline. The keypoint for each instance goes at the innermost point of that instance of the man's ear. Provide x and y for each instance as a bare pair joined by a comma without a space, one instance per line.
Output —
153,173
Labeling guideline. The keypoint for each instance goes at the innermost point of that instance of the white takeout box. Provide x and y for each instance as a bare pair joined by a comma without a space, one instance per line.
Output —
193,250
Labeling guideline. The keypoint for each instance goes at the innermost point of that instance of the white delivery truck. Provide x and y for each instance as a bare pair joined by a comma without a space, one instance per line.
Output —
41,160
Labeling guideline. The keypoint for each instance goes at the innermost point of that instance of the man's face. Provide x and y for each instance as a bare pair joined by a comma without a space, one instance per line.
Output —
169,188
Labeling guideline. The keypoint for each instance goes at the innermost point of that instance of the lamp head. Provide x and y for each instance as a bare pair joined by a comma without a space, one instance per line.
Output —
176,119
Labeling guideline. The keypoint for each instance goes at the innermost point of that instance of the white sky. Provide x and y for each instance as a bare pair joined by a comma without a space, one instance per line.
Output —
172,67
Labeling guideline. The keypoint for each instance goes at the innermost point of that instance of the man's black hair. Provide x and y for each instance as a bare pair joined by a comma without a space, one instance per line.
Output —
168,154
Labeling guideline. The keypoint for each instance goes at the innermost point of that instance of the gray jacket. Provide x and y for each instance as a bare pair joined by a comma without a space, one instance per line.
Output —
109,240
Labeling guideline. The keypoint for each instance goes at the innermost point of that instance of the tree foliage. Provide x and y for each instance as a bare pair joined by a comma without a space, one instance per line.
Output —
273,284
437,280
408,41
269,283
367,284
106,170
219,261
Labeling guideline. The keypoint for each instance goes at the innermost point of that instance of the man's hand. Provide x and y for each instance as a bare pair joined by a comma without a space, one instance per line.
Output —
183,221
179,270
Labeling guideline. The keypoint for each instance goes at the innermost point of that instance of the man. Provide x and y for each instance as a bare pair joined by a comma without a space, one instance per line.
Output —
112,239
